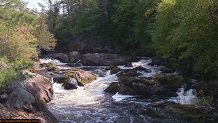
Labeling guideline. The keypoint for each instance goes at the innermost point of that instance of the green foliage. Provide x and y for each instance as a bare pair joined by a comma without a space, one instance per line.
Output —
40,32
186,33
60,22
19,39
121,19
8,73
125,22
130,22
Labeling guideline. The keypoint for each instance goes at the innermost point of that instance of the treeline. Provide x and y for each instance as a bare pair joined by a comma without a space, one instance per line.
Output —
185,32
21,32
127,22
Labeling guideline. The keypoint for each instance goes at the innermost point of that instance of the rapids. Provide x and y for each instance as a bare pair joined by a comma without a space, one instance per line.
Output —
90,104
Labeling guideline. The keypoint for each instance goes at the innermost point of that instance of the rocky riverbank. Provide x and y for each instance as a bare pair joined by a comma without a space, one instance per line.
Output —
26,99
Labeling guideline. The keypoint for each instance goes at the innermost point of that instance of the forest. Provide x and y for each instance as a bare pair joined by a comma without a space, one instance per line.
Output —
183,32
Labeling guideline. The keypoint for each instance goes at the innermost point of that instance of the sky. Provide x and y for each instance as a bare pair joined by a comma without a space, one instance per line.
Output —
34,3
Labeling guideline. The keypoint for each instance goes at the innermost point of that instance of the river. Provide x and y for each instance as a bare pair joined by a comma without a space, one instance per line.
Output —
90,104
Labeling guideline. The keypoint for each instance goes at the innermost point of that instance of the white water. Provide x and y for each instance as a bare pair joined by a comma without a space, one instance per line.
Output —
89,104
185,97
54,61
144,63
119,97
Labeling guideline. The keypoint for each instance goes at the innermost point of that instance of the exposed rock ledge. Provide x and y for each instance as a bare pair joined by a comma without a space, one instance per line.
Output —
26,99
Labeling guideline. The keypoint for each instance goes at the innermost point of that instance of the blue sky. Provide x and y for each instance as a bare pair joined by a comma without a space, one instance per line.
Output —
34,3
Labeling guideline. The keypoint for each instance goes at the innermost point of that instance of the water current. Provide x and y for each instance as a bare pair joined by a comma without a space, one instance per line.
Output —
90,104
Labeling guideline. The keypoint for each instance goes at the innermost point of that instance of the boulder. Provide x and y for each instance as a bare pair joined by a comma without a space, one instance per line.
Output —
133,86
190,113
68,82
104,59
20,99
74,56
71,83
26,99
120,88
61,56
114,69
39,86
81,76
52,67
130,83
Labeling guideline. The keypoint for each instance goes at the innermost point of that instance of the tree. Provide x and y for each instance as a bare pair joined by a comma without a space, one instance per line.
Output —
41,33
186,34
19,38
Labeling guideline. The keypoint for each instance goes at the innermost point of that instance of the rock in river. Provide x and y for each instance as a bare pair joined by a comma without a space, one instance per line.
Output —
81,76
103,59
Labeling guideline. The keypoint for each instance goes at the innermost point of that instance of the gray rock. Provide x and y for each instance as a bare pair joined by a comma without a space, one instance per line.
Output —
61,56
74,56
20,98
130,83
40,87
81,76
104,59
71,83
22,94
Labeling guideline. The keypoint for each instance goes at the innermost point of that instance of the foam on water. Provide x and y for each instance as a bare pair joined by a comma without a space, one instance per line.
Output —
54,61
185,97
90,104
91,94
119,97
101,83
143,63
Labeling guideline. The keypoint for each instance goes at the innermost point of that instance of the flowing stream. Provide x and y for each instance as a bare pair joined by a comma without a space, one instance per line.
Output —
90,104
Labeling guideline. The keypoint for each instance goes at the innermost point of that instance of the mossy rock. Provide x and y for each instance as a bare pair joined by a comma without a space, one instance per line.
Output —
190,112
113,88
42,101
52,67
128,80
176,81
80,75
